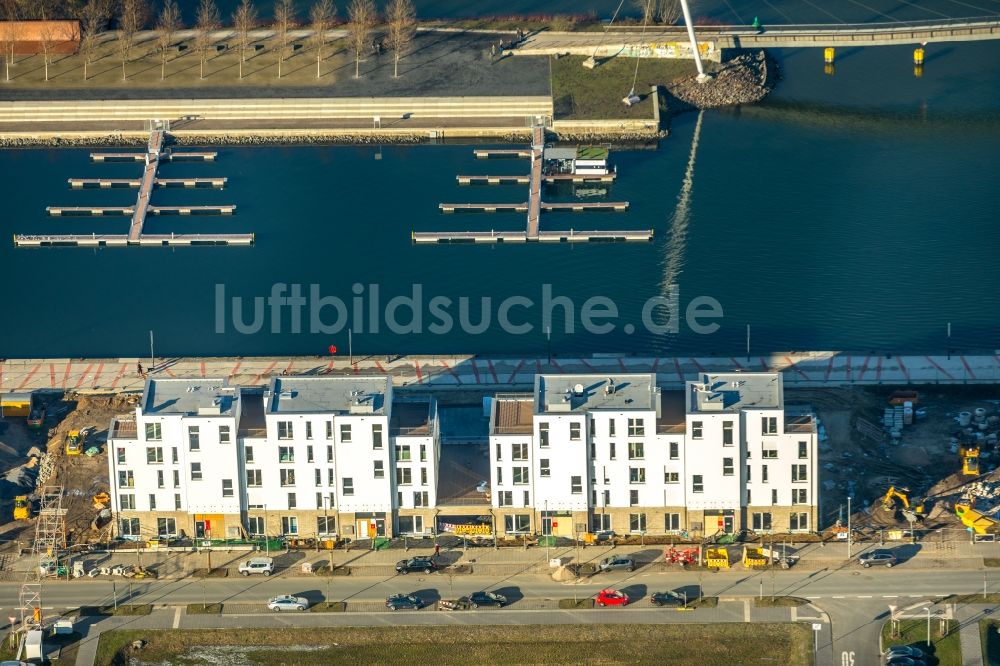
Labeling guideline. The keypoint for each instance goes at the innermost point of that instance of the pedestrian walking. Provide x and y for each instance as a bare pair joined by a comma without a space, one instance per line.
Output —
139,370
437,549
493,50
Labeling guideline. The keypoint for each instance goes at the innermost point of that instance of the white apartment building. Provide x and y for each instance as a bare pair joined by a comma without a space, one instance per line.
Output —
309,456
592,452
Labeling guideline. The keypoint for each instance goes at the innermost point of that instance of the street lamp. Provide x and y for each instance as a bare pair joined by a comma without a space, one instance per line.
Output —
927,609
817,627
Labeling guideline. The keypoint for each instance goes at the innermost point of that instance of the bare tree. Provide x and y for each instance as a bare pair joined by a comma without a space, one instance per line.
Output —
244,20
9,35
659,11
207,22
130,20
402,19
284,20
360,23
167,25
321,18
47,37
93,19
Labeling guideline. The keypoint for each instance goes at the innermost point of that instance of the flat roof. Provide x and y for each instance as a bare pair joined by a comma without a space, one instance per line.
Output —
581,393
512,414
734,391
188,397
412,417
327,395
559,153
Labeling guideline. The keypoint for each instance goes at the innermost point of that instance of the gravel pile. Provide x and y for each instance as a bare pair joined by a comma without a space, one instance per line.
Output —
745,79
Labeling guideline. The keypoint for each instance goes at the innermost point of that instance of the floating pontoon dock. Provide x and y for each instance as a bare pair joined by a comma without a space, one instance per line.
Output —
534,206
105,183
165,156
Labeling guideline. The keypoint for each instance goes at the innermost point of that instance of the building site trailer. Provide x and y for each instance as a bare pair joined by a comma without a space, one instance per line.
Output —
15,404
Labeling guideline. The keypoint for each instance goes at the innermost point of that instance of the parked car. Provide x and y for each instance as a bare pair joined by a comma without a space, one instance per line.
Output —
609,597
668,598
477,599
404,601
425,564
876,557
616,562
261,565
288,602
903,651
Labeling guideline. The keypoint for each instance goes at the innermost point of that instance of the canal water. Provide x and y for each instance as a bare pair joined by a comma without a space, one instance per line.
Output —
853,211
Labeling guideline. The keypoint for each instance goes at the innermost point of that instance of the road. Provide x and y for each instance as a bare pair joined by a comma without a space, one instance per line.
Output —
851,603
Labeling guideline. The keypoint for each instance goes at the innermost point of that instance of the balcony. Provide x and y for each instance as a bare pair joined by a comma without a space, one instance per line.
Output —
413,419
800,423
123,427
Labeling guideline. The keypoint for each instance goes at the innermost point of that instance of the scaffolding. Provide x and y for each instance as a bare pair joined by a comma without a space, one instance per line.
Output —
50,538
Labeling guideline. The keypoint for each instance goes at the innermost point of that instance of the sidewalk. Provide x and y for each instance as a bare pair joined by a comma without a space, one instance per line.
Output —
799,369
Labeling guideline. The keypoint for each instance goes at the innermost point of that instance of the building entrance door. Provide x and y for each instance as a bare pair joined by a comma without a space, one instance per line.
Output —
727,524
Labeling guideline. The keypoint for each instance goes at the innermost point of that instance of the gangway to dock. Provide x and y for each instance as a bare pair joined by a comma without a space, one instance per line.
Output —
534,206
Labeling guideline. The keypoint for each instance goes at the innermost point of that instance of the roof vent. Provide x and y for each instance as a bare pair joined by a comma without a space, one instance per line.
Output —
286,394
609,388
578,390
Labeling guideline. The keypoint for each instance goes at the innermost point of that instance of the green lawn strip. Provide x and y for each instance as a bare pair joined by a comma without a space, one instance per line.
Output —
576,603
329,607
945,651
703,602
579,93
989,598
991,561
204,609
779,602
122,609
705,645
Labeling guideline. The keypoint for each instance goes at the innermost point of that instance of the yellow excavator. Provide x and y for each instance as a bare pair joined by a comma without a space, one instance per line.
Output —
22,508
977,520
970,459
899,499
75,441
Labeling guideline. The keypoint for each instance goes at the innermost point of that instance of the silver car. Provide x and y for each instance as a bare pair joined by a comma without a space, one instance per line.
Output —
288,602
876,557
615,563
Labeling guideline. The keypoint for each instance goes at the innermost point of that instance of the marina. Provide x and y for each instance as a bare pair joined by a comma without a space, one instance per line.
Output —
154,155
548,165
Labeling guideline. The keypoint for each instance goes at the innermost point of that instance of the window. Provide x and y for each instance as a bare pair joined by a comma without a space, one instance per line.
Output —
331,479
255,525
125,479
404,476
696,430
173,455
671,477
674,450
633,498
420,498
159,478
727,433
574,432
499,475
672,522
803,449
378,469
637,522
196,471
127,502
505,498
154,455
601,522
697,483
800,496
636,451
177,478
309,430
423,476
129,527
611,451
166,527
289,525
799,473
520,476
611,427
345,432
543,434
526,498
761,521
121,456
153,432
499,452
254,478
763,474
774,496
593,450
309,453
227,487
286,454
319,500
285,430
329,429
326,525
799,521
376,435
637,475
287,477
177,501
543,469
636,428
318,481
749,502
423,453
748,474
152,502
225,435
727,467
329,454
403,453
769,425
518,451
520,522
576,485
769,453
293,501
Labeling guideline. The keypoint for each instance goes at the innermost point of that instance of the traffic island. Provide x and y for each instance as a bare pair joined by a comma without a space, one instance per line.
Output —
944,650
779,602
576,604
329,607
204,609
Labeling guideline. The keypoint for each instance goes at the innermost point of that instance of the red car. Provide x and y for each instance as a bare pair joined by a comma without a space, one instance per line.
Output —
611,597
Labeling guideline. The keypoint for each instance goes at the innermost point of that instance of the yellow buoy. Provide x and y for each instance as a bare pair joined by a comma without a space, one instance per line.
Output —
918,56
828,55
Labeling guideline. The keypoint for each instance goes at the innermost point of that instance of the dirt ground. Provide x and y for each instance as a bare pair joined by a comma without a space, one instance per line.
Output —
923,462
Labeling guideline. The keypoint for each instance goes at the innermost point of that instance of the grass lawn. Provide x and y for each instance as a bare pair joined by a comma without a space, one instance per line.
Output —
779,602
945,651
701,645
204,609
579,93
990,598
